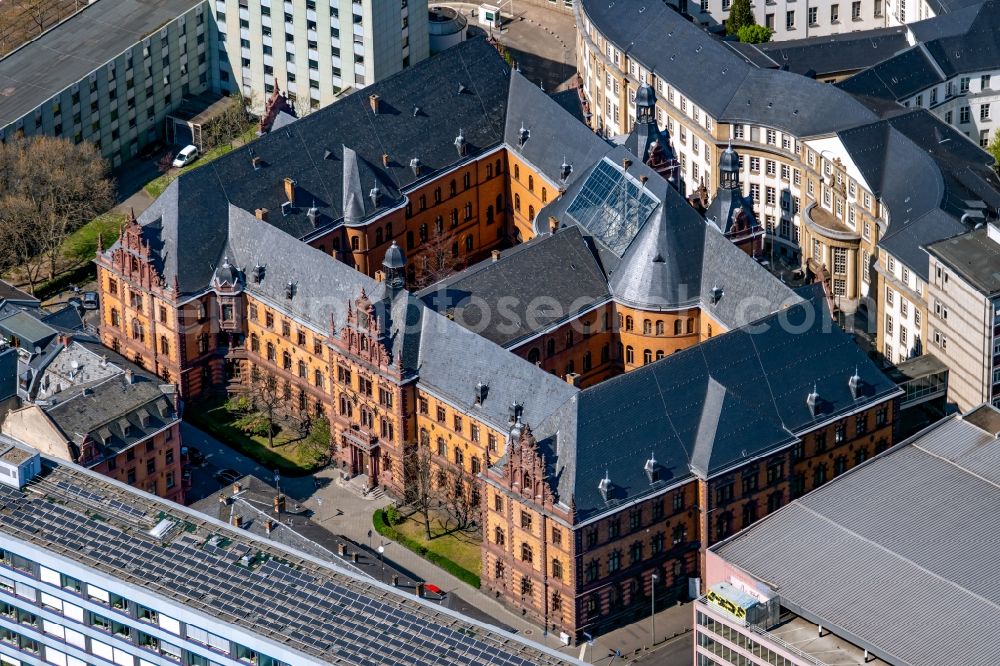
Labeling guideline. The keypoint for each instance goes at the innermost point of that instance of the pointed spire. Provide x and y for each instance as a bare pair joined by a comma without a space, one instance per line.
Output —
100,243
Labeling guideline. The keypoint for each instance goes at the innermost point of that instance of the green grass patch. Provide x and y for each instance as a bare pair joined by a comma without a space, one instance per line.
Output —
213,417
155,187
81,246
455,552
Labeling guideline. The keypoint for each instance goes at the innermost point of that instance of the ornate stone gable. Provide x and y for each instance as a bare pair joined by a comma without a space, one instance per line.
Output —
525,471
361,334
133,258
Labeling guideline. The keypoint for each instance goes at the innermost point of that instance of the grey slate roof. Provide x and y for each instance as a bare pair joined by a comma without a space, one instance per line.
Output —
9,292
719,79
421,113
560,271
966,40
973,256
916,521
508,377
104,410
27,328
322,286
705,409
927,174
831,54
44,67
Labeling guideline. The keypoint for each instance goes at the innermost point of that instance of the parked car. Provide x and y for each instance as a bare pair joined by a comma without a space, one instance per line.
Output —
187,155
192,455
227,476
90,300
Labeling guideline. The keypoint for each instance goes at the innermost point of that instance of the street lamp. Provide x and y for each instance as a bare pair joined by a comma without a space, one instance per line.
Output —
381,549
652,614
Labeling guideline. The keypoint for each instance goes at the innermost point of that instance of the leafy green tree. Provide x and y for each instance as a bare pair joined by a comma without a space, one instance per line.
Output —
994,149
740,14
755,34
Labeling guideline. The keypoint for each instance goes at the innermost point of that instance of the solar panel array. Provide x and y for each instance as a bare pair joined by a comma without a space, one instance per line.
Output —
314,609
612,206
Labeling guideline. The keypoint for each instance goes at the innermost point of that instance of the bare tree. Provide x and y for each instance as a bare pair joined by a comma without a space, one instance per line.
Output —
20,238
230,124
65,183
260,404
439,257
417,469
34,11
457,498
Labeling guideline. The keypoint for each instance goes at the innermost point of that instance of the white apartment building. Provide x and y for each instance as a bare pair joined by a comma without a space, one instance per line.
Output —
952,68
315,49
96,573
142,59
964,314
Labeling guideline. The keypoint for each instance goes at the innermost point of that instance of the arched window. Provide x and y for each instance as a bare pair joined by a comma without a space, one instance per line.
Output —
531,213
499,168
677,327
499,204
355,243
489,170
545,195
659,327
526,554
423,232
531,183
475,465
659,354
286,360
647,357
388,230
437,194
318,378
454,217
468,210
526,478
556,569
628,323
569,338
254,343
647,327
378,236
453,187
454,249
629,354
270,352
468,243
137,332
489,215
550,348
364,343
517,172
517,202
303,370
116,320
439,225
709,330
345,406
164,345
690,325
498,536
466,181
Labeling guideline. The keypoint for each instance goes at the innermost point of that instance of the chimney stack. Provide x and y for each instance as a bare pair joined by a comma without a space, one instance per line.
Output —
269,525
237,488
573,378
385,159
379,276
496,255
129,376
261,214
290,191
373,101
279,504
237,520
553,224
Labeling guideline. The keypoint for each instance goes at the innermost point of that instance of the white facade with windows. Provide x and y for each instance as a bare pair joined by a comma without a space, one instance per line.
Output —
969,102
791,19
315,49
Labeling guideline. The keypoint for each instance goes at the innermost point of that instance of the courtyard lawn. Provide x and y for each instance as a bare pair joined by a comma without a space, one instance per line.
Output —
456,552
286,456
155,187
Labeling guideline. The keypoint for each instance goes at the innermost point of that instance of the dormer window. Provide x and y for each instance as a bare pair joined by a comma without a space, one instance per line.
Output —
481,390
605,487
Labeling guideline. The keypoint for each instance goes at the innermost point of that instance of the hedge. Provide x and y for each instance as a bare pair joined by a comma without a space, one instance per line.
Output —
382,527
